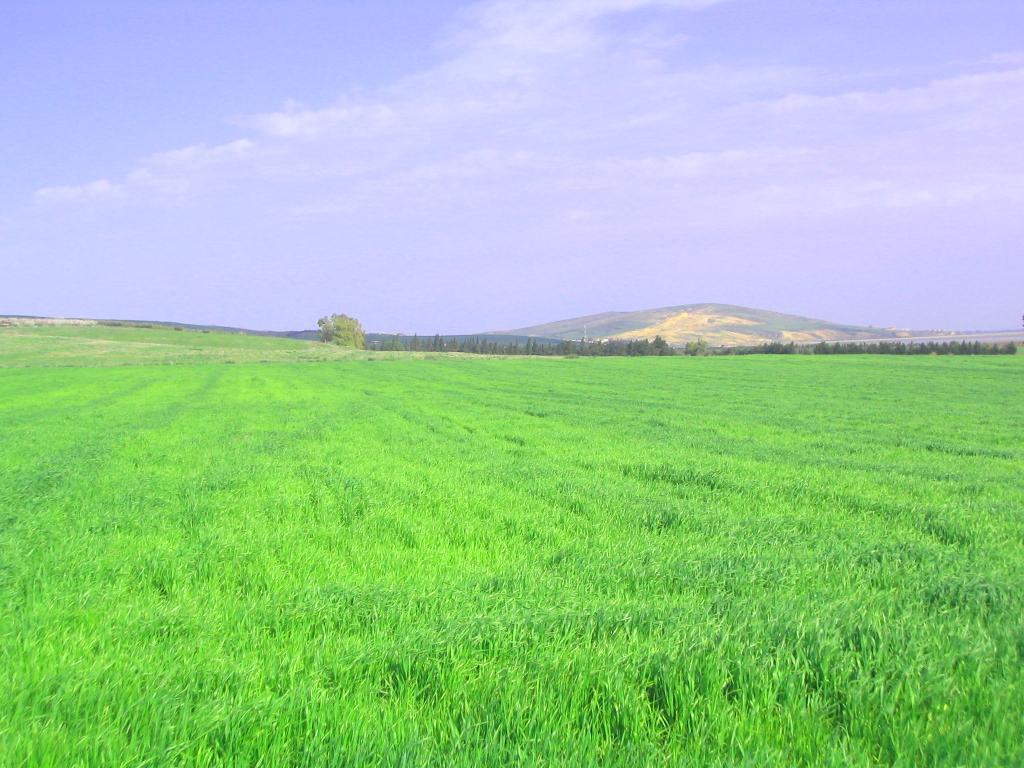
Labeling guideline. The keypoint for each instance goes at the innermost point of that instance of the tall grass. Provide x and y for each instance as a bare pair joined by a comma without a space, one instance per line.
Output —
722,561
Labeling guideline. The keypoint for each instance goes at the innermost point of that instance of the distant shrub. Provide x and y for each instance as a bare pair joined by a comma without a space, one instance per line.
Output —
346,331
698,347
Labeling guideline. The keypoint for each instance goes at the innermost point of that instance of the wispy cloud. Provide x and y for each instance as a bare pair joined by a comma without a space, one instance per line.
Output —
101,188
1011,58
548,81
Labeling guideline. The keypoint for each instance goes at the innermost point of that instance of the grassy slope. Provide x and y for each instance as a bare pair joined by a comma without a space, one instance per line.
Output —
90,345
715,323
481,562
56,345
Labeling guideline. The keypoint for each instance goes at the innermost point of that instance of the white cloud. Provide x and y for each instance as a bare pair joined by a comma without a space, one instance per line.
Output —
200,155
101,188
943,93
358,119
169,175
541,104
1013,58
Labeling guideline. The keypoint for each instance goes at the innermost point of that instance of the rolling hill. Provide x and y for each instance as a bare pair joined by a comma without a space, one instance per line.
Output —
374,340
717,324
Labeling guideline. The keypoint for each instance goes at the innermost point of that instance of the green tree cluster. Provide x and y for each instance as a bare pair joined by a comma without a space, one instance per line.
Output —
342,330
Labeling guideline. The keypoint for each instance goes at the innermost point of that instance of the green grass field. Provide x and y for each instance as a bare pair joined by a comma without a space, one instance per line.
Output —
91,345
789,560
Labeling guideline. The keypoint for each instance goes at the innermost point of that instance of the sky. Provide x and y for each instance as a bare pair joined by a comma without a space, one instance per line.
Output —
458,167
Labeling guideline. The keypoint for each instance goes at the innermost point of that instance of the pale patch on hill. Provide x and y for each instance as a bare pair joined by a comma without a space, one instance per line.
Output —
683,326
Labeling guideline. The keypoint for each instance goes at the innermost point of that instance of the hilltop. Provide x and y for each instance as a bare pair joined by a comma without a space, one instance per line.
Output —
717,324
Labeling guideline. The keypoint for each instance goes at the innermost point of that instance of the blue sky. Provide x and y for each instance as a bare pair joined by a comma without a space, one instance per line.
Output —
465,166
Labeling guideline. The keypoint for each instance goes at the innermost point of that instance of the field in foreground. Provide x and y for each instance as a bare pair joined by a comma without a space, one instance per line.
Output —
679,561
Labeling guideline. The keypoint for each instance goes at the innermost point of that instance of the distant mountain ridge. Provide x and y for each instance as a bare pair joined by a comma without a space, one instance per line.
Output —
717,324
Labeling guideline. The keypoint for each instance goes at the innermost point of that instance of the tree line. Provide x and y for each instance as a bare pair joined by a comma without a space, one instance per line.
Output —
481,345
877,348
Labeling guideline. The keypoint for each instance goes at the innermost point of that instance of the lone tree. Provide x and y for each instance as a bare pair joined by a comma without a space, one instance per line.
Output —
698,347
342,330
